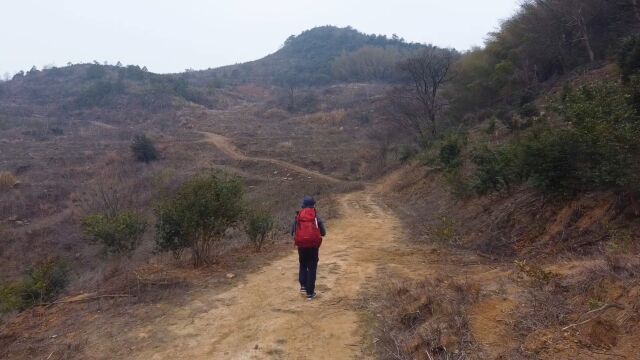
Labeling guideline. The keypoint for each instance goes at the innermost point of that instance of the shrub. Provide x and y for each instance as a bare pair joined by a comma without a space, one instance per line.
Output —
450,152
198,215
491,126
550,159
56,131
143,149
259,227
119,234
7,181
529,110
43,283
405,153
496,169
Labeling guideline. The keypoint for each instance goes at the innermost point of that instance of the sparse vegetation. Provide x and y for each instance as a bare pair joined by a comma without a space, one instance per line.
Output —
43,283
444,231
259,225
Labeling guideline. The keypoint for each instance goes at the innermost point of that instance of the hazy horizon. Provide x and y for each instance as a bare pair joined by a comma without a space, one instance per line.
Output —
170,37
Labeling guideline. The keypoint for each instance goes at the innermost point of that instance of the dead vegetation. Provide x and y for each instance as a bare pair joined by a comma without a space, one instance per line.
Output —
424,320
7,181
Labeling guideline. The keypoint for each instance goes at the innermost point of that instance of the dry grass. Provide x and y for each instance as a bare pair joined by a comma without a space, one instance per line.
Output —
276,114
596,305
424,320
328,118
7,181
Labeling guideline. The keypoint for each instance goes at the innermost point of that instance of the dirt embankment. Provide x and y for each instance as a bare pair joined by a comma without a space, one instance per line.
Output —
566,273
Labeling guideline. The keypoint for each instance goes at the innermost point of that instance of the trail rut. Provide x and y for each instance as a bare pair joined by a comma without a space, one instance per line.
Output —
227,147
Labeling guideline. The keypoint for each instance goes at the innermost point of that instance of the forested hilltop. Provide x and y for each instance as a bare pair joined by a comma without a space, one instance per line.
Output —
320,56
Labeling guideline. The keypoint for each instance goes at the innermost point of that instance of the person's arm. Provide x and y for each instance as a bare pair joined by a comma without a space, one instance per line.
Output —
323,230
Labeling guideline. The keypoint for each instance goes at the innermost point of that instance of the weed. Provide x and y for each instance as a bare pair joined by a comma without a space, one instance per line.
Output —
535,272
44,282
7,181
445,232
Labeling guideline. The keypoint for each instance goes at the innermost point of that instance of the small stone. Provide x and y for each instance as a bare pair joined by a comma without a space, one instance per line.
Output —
231,275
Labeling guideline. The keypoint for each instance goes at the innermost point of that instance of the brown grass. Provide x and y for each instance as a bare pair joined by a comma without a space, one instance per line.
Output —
424,320
7,181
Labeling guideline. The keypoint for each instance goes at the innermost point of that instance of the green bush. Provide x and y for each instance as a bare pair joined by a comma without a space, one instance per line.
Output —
119,234
43,283
198,215
606,127
143,149
450,150
496,169
259,227
528,110
550,159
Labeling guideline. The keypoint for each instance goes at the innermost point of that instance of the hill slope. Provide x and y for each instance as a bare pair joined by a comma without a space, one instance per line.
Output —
305,59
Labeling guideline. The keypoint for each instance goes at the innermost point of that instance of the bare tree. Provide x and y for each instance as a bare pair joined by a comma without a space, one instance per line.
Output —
583,30
417,104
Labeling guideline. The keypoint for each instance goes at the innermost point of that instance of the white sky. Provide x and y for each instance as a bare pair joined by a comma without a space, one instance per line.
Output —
170,36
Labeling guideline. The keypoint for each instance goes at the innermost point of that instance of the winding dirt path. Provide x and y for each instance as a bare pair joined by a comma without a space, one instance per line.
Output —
264,316
227,147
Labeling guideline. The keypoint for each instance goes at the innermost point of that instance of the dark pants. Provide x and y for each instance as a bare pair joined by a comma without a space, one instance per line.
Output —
308,265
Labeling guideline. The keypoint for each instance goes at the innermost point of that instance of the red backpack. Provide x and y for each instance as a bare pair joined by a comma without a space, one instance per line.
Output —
307,230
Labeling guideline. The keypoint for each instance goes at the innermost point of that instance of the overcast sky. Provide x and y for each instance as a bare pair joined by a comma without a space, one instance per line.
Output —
173,35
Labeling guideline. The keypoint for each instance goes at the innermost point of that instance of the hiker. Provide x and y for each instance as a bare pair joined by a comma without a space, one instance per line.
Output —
308,230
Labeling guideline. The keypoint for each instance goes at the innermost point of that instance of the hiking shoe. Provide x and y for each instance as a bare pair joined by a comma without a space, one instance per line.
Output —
303,290
311,296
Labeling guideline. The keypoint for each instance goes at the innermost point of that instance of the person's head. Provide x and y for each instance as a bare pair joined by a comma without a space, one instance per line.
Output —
308,202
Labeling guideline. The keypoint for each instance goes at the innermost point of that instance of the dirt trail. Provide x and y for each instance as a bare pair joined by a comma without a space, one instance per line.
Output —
226,146
264,316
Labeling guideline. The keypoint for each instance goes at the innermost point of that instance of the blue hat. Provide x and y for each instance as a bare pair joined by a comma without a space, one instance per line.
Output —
308,202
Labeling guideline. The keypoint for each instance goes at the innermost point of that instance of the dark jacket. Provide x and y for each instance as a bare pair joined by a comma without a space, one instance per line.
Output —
309,202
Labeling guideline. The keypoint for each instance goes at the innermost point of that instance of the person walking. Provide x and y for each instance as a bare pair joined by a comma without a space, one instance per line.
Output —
307,231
